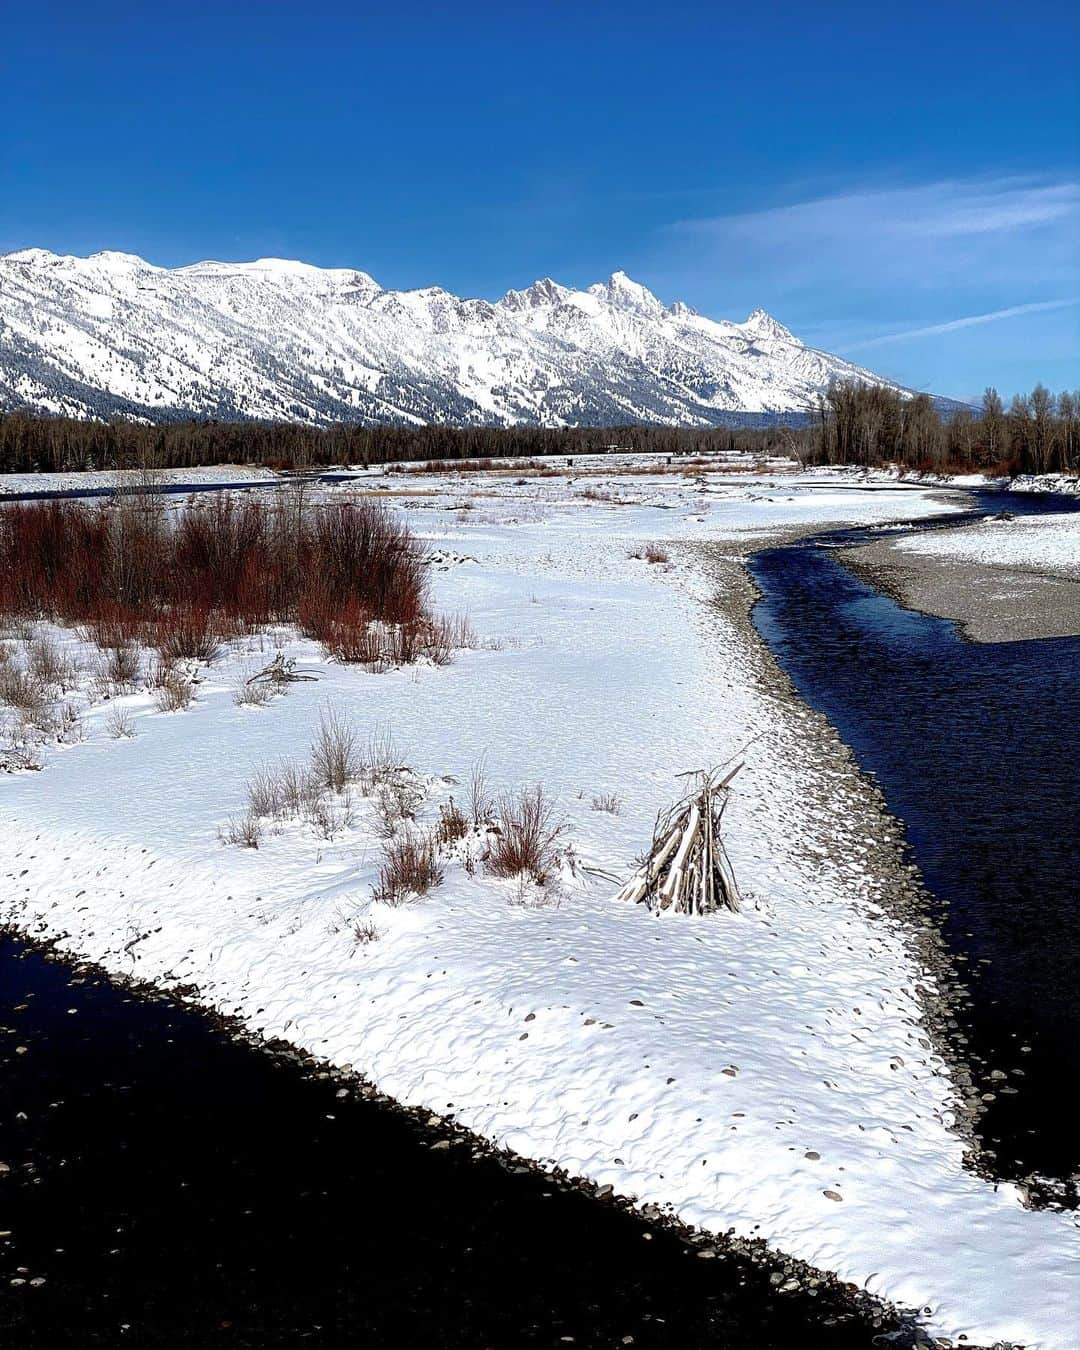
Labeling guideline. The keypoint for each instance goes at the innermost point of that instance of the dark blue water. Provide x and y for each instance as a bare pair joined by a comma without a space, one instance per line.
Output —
175,1188
977,749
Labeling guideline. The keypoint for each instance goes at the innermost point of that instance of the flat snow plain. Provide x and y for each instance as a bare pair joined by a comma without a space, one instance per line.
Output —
1047,543
767,1072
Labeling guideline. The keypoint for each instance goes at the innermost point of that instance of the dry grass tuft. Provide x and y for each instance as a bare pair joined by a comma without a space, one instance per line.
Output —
249,693
452,824
22,689
365,931
526,838
481,802
397,799
607,801
119,665
20,749
650,553
47,663
120,724
335,755
175,693
244,831
410,868
318,792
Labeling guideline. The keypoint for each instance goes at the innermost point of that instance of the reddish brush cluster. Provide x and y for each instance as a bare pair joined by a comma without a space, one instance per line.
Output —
531,466
348,574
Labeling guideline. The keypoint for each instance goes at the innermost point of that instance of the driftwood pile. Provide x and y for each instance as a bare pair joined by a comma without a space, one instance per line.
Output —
686,869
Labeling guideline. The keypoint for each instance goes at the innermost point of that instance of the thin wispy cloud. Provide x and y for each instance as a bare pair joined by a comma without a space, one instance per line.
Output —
951,208
868,266
971,321
949,236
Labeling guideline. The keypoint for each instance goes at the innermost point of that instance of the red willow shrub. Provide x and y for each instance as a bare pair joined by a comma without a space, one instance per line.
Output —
534,466
126,571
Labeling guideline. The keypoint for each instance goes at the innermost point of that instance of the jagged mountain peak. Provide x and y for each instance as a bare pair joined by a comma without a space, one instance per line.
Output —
542,292
761,324
114,336
623,292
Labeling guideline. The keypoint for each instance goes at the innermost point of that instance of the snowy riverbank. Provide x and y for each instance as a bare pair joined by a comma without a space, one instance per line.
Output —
1044,543
95,480
768,1072
1002,580
1063,484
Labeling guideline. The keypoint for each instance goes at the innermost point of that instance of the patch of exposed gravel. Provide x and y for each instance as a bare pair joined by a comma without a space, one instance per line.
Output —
991,603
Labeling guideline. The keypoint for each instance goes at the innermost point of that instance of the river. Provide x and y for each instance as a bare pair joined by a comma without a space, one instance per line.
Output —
976,747
174,1187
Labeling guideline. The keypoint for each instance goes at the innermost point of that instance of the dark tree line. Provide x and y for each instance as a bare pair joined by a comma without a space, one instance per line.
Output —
854,424
53,444
861,424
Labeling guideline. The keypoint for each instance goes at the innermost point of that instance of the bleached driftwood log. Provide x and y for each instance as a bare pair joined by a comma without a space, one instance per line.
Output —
280,671
687,868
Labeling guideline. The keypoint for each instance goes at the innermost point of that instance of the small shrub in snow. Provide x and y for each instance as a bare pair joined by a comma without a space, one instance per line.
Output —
189,632
47,663
396,801
330,814
452,824
335,755
257,694
120,724
447,635
379,761
176,693
69,725
607,801
318,792
120,665
21,689
266,793
651,553
298,787
410,868
20,748
481,803
244,831
365,931
525,842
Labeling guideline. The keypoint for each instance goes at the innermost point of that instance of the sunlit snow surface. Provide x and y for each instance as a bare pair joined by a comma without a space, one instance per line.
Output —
1049,543
735,1068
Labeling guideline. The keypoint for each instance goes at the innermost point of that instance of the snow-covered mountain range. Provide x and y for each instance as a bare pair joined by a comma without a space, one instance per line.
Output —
112,335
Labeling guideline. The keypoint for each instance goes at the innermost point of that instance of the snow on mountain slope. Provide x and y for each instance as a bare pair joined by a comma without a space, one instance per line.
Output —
112,335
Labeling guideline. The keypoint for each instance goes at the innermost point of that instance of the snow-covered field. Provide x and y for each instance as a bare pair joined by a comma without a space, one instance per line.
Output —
768,1072
1048,543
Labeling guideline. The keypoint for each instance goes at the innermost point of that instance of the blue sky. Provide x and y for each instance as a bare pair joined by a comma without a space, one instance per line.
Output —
897,183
